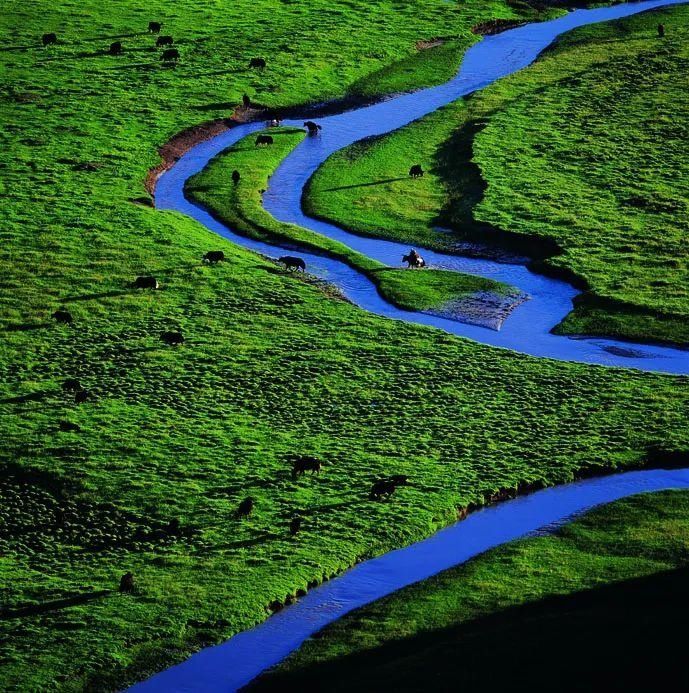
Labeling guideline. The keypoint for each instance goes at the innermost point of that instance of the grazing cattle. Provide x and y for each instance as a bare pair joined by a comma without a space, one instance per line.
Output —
661,30
127,583
68,426
171,55
246,507
264,139
295,526
382,487
71,385
155,27
257,62
246,100
213,256
413,259
146,283
49,39
304,464
81,396
235,176
172,338
312,127
164,41
416,171
293,263
63,316
115,48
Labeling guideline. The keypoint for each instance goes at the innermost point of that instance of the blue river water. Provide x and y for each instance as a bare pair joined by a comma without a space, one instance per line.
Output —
232,664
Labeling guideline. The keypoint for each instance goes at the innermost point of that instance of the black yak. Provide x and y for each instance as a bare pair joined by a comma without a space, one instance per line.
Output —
246,507
257,62
164,41
382,487
295,526
71,385
127,583
312,127
213,256
115,48
171,55
264,139
49,39
293,263
416,171
172,338
304,464
146,283
81,396
236,176
155,27
63,316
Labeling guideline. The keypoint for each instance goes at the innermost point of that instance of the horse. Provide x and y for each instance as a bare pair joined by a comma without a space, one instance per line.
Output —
414,260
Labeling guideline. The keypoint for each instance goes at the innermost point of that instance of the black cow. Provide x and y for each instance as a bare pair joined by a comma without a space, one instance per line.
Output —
246,100
236,176
127,583
295,525
213,256
49,39
164,41
68,426
146,283
416,171
382,487
293,263
257,62
304,464
661,30
71,385
171,55
246,507
81,396
63,316
172,338
115,48
413,260
264,139
312,127
155,27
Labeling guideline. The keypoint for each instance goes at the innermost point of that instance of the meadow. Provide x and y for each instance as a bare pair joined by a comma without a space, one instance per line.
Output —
146,475
576,161
577,607
239,206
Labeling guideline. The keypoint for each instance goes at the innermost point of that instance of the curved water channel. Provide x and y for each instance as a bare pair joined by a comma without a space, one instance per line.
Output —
234,663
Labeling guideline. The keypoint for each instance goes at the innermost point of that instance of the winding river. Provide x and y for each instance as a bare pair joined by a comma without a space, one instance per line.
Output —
234,663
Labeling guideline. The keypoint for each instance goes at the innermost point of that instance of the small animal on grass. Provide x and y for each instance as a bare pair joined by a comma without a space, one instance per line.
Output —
246,507
68,426
295,526
246,101
236,176
63,316
127,583
293,263
49,39
306,464
172,338
146,283
214,256
164,41
257,62
264,139
312,127
81,396
115,48
171,55
155,27
413,259
416,171
71,385
382,487
399,479
661,30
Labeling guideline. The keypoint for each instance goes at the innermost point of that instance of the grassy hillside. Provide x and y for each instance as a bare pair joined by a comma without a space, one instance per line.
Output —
240,207
172,439
577,607
581,154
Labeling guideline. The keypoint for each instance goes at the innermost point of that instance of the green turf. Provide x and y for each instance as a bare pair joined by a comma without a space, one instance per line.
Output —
583,153
600,604
272,365
240,207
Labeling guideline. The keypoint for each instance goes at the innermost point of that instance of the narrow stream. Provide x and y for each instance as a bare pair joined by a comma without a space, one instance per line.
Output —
232,664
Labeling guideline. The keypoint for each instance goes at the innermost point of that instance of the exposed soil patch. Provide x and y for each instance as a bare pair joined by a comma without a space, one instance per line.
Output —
495,26
484,308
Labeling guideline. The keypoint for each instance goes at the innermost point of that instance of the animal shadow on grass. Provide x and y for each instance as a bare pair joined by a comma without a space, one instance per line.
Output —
366,185
71,600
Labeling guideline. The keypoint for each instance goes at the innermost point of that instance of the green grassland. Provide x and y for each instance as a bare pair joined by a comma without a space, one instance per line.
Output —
240,207
582,154
600,604
173,439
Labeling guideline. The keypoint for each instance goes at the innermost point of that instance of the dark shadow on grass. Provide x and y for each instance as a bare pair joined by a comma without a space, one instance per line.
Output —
243,544
31,397
366,185
26,327
103,294
65,602
220,106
